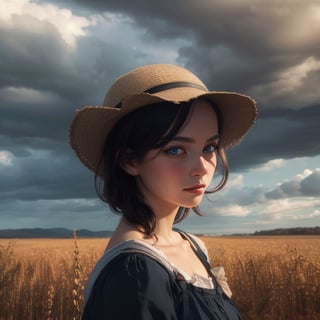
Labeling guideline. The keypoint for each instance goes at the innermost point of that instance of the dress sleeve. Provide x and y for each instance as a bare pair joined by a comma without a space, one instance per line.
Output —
132,286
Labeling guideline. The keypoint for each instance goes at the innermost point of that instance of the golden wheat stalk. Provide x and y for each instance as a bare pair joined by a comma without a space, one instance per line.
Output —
77,281
50,301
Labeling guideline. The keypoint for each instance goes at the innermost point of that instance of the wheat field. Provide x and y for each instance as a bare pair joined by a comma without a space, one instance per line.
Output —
274,278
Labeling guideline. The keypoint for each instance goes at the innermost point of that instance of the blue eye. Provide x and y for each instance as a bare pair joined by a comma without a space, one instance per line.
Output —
211,148
174,151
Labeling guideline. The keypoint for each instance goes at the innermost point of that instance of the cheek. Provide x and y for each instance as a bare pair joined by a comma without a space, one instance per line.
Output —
157,179
160,171
163,170
211,162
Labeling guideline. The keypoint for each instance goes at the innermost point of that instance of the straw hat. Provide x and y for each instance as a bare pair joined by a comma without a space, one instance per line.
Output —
151,84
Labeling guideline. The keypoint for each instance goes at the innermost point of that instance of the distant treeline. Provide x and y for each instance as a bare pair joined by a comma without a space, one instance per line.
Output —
289,231
51,233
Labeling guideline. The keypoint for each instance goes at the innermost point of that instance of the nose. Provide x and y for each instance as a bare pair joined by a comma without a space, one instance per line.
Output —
199,166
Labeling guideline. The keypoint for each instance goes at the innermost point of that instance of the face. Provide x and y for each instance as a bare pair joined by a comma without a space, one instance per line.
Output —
178,174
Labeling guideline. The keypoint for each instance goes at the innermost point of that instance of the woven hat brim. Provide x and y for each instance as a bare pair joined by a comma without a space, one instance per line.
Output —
91,125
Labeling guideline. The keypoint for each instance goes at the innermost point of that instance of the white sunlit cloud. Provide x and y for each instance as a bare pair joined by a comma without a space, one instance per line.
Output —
276,209
230,210
314,214
295,199
235,210
69,26
6,158
283,211
235,182
27,95
306,173
271,165
304,184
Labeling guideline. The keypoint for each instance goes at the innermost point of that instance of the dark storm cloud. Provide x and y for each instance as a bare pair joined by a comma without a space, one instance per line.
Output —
42,82
45,175
235,45
241,46
279,133
43,61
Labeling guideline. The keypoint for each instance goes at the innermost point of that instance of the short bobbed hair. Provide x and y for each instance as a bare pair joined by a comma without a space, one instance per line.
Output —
147,128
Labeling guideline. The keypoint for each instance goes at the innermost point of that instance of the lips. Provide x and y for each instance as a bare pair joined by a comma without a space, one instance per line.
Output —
196,189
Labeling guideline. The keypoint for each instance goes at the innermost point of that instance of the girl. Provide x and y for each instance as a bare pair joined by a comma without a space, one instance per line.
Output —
154,146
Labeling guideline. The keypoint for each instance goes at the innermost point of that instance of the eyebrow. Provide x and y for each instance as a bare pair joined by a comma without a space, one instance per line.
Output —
190,140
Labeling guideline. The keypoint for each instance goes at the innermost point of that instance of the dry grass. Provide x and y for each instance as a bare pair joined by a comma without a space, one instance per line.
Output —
271,277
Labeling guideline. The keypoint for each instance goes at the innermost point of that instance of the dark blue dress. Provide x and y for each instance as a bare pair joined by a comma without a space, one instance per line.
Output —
136,286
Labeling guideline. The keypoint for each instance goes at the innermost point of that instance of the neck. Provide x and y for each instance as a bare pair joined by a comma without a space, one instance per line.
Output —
163,232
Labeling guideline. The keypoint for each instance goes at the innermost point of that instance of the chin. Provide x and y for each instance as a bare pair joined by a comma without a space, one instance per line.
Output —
191,205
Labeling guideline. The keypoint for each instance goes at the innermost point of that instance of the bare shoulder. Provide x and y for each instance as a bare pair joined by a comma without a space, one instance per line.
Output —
200,243
124,233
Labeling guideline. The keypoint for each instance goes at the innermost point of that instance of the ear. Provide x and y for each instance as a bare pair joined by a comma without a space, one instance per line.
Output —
130,168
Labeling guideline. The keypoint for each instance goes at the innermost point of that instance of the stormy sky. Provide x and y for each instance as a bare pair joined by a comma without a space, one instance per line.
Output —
58,56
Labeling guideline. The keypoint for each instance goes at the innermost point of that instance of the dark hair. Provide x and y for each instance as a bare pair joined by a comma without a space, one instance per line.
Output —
149,127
